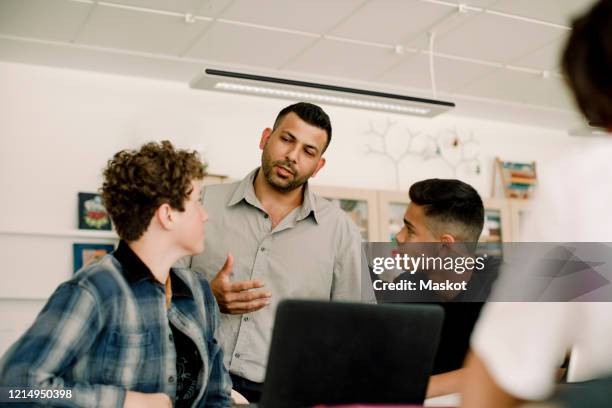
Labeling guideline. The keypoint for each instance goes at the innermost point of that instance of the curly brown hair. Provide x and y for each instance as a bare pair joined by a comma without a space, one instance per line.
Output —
137,182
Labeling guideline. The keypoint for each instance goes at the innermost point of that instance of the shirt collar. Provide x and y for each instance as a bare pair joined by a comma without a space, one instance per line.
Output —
134,270
308,205
246,191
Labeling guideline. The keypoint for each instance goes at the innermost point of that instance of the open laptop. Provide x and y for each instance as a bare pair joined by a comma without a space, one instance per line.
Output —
340,353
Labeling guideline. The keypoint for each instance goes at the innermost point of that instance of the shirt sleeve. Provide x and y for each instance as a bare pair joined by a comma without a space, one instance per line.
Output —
62,333
218,391
523,345
348,276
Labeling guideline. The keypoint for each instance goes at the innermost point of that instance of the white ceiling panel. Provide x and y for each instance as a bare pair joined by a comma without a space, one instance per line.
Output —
209,8
139,31
412,72
450,74
93,60
516,114
495,38
49,19
547,57
297,15
551,92
344,60
139,37
450,23
236,44
505,85
554,11
392,21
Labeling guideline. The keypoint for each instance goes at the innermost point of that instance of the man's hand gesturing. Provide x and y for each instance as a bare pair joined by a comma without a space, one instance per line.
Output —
237,297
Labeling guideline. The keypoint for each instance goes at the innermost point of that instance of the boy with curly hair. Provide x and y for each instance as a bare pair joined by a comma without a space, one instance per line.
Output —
130,330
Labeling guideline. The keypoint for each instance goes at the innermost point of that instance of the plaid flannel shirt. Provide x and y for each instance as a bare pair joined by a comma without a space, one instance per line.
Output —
107,331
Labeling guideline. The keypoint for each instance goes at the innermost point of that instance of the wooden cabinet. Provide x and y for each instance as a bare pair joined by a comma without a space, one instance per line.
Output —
360,205
519,210
379,214
497,226
215,179
392,207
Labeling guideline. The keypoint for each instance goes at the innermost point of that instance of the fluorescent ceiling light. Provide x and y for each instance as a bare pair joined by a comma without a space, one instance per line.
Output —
226,81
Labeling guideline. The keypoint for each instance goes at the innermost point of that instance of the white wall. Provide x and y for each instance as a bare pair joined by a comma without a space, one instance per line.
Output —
58,127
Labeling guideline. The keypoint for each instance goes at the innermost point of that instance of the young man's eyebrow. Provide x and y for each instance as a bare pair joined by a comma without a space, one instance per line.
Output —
408,224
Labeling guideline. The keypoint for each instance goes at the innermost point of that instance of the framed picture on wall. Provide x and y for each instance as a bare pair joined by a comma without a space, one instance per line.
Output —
87,253
92,214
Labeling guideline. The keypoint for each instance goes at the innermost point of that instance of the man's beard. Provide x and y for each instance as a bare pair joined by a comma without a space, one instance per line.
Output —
285,185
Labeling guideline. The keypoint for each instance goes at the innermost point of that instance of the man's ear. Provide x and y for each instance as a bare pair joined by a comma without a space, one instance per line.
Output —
265,135
165,216
320,165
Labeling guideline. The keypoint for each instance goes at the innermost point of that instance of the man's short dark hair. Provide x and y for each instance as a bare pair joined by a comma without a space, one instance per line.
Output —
311,114
587,63
450,205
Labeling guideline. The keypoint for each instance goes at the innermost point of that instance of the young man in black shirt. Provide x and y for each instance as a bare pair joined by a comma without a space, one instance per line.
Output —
451,213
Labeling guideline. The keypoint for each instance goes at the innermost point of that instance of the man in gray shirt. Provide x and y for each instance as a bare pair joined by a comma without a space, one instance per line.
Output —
271,231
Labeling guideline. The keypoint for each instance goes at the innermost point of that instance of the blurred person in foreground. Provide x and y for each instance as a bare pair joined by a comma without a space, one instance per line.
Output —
518,347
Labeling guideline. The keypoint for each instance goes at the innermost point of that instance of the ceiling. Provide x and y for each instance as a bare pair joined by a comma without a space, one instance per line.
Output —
496,59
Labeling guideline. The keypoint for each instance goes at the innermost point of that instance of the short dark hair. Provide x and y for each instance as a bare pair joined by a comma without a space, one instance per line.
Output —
311,114
587,63
137,182
448,203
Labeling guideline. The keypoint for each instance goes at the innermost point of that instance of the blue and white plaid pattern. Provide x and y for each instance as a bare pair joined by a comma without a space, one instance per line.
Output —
106,332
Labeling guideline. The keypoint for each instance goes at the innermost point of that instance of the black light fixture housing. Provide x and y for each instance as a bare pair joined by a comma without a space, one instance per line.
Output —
227,81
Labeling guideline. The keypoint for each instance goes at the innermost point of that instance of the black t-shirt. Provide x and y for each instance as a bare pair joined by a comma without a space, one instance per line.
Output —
188,366
459,321
460,315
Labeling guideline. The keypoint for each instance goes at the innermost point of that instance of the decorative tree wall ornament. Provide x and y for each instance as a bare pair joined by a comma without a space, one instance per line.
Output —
446,145
456,152
385,151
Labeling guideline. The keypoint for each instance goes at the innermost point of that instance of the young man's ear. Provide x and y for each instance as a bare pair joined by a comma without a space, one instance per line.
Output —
446,245
320,165
447,239
265,135
165,216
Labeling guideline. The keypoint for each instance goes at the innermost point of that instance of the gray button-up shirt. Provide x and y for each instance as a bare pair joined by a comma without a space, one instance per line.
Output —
313,253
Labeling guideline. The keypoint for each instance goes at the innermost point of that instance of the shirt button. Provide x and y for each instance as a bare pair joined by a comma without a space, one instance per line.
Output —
171,337
266,215
263,249
246,319
171,379
237,355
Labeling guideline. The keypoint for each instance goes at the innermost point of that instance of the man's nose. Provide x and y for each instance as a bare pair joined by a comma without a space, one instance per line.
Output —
292,155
